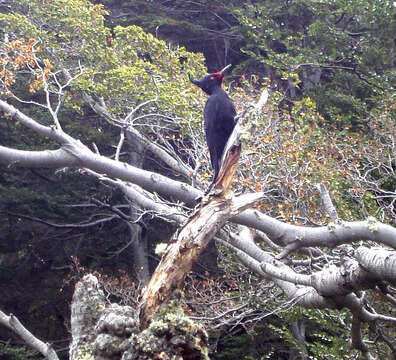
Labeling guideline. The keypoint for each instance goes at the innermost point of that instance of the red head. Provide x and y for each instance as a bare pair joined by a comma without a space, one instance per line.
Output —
219,75
212,81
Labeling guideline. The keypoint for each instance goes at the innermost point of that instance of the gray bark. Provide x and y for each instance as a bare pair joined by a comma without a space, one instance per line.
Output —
15,325
105,331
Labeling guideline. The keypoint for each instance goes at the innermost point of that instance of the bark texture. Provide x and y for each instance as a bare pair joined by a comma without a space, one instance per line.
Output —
195,235
87,306
15,325
105,331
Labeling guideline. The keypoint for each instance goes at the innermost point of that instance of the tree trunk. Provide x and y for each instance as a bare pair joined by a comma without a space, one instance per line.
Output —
195,235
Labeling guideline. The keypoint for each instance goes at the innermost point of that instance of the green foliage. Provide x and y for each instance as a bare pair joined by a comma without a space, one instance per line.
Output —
273,338
200,26
237,347
340,51
71,29
294,149
323,333
10,352
124,66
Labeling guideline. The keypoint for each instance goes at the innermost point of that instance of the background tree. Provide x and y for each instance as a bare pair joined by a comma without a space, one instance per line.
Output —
202,26
340,54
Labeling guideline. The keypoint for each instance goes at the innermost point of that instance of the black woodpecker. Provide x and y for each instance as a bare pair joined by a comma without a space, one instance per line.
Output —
219,116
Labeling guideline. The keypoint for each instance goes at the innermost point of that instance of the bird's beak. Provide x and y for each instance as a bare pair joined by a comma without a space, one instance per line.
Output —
222,71
195,82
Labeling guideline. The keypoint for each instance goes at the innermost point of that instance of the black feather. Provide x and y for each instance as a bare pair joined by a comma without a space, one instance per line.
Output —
219,116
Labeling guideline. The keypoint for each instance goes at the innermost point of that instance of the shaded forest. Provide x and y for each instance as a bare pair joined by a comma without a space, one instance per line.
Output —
103,155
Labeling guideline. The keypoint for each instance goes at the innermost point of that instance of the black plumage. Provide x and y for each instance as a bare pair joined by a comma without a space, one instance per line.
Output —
219,117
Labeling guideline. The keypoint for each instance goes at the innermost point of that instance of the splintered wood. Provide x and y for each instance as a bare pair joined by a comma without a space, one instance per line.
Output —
195,235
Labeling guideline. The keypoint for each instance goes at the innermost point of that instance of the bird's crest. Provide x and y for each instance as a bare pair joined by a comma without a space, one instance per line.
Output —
218,75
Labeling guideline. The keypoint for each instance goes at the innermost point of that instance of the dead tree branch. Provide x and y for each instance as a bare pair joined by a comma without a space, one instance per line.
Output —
15,325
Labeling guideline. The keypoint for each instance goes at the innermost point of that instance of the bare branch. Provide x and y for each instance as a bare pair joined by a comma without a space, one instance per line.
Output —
378,261
119,146
171,160
328,236
143,104
15,325
64,226
357,341
286,274
293,237
327,203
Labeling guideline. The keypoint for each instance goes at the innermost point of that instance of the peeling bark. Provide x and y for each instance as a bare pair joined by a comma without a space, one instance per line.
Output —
195,236
192,239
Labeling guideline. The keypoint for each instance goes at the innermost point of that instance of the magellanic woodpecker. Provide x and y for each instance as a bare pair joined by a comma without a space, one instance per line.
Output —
219,117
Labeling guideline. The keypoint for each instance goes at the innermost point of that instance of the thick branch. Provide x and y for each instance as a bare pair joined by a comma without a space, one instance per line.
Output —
34,159
191,241
331,281
74,153
329,236
379,262
15,325
330,288
195,236
45,131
